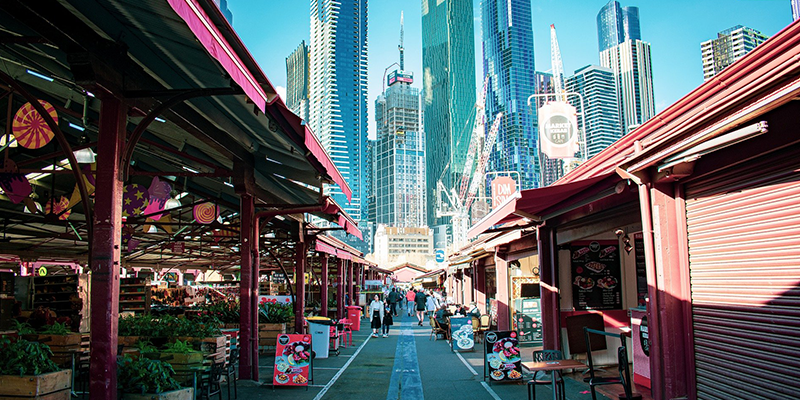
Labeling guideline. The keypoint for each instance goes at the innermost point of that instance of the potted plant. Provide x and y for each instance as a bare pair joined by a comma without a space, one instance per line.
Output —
141,378
60,340
183,358
29,372
203,333
274,319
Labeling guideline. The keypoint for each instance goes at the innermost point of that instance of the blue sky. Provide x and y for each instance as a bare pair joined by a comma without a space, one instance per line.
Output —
272,30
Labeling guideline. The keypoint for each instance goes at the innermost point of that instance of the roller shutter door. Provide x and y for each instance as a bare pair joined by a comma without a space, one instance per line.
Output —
744,256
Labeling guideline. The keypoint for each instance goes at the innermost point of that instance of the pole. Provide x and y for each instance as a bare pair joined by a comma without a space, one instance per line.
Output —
323,289
247,361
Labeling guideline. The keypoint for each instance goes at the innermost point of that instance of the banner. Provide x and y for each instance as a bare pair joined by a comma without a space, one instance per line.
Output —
462,337
558,129
502,360
292,360
502,188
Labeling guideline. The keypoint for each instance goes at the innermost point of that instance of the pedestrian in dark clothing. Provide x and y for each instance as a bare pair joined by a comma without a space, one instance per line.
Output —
387,320
393,298
420,298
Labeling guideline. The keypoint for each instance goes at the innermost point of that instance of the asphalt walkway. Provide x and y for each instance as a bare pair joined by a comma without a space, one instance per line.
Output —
407,365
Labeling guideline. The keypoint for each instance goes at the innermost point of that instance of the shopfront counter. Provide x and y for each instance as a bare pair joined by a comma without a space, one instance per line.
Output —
641,347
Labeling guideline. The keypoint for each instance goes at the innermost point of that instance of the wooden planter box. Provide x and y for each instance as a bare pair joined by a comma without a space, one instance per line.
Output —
180,394
268,333
211,345
182,363
62,346
50,386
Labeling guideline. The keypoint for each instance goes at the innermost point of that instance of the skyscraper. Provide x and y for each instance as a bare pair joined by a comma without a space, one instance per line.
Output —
623,51
297,81
616,24
795,10
338,92
508,63
400,151
729,46
448,80
601,108
223,6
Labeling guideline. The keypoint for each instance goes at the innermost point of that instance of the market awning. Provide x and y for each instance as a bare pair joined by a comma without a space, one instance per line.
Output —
532,203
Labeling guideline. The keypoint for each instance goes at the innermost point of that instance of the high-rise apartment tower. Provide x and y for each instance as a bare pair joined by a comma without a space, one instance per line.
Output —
297,81
729,46
597,87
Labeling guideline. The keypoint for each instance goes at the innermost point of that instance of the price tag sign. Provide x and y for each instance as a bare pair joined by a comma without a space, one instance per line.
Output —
42,271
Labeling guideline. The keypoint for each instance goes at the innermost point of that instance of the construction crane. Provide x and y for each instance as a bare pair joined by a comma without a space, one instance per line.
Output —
558,69
455,202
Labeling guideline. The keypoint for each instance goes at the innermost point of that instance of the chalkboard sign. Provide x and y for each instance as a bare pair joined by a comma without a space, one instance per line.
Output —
596,277
641,270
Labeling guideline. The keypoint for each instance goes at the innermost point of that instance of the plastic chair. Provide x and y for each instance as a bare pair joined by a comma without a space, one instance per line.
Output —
622,358
541,356
347,333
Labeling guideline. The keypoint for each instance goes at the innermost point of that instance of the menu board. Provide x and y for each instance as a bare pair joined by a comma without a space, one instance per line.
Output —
501,356
461,335
292,360
596,277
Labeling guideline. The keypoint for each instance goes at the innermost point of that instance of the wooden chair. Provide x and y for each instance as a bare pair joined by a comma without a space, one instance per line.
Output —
486,324
476,328
623,378
436,330
546,355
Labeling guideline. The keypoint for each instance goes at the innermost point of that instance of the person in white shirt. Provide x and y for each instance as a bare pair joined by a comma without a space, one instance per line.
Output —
376,312
431,303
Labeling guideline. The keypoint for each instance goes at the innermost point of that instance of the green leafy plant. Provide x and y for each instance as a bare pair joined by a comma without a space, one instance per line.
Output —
22,328
143,375
275,313
179,347
55,329
226,311
144,346
25,358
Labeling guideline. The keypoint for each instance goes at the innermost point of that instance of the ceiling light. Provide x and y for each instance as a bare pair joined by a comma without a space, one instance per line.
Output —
160,119
192,170
84,156
77,127
38,75
228,184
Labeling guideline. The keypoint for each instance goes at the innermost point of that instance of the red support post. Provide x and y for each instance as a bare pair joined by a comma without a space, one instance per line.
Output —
340,288
501,271
300,282
548,288
323,289
480,286
105,254
350,282
256,271
249,336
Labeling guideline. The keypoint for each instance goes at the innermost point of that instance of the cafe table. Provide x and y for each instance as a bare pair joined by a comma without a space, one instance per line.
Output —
555,365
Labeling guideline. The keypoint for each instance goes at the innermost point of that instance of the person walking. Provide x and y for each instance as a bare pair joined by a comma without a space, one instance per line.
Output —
387,320
393,298
376,313
419,300
410,301
431,304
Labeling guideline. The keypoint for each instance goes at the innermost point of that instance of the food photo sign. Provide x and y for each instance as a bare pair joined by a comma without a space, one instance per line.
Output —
502,357
292,360
462,338
596,277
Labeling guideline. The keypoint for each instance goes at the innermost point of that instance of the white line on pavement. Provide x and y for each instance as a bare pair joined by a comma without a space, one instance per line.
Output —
467,364
491,392
326,368
338,374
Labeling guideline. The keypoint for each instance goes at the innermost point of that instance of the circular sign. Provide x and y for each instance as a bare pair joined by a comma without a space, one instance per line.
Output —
439,255
205,213
491,337
42,271
559,129
30,128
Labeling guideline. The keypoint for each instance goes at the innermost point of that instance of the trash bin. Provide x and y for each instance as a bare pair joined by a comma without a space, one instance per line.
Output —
354,316
320,328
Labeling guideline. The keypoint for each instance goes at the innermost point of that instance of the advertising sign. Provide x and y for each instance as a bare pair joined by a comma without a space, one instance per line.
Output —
275,299
528,320
641,270
558,129
502,188
461,334
439,255
501,358
292,360
596,276
399,76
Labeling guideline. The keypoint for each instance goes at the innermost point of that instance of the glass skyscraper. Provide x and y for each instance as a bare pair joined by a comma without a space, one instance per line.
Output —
616,24
399,158
338,93
448,79
601,108
729,46
297,81
508,63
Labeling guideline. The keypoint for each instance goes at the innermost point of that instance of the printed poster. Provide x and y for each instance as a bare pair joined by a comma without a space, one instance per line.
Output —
596,276
292,360
461,334
502,356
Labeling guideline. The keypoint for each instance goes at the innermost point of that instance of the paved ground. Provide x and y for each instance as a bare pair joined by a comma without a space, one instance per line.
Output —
407,365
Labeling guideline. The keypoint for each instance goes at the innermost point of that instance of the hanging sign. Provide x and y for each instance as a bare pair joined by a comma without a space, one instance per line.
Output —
501,356
292,360
205,213
558,129
135,198
461,333
30,128
502,188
